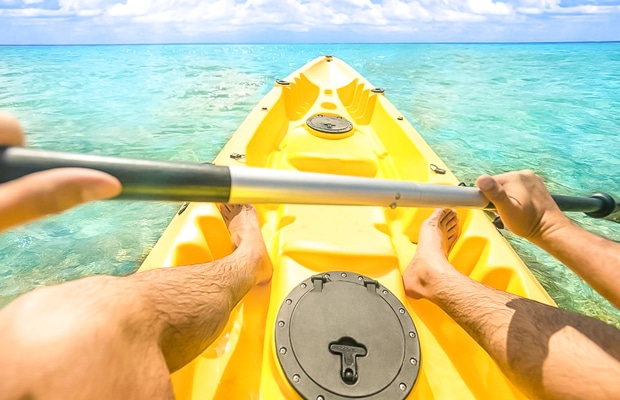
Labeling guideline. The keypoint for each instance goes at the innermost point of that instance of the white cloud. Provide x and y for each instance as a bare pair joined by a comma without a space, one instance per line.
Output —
405,10
588,9
457,16
295,12
131,8
196,17
555,7
489,7
67,8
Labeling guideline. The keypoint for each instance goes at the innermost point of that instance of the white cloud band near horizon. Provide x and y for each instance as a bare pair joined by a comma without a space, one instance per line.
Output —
160,21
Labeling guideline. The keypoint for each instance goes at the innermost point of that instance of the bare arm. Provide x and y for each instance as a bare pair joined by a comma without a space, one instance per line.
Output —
528,210
595,259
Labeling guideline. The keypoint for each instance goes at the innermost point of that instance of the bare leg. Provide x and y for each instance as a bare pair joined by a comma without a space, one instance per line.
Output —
110,337
547,352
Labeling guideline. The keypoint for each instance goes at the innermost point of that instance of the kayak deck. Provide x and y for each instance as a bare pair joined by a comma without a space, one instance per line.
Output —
304,240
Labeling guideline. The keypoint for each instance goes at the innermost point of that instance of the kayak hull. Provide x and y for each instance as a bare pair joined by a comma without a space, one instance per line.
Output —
306,240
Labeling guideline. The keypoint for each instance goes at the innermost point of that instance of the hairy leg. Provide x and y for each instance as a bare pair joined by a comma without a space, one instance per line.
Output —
110,337
547,352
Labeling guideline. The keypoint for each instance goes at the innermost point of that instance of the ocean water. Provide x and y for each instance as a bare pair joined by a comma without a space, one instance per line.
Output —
484,108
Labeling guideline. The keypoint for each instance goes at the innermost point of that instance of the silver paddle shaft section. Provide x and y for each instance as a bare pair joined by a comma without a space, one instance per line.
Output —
263,186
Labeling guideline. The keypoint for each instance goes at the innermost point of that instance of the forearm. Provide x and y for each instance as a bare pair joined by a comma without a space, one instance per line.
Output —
528,210
595,259
547,352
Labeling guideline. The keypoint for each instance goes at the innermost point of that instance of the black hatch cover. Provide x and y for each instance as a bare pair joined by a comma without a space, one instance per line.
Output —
341,335
329,124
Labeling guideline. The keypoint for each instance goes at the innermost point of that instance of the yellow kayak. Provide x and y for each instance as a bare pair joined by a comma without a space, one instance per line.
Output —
335,323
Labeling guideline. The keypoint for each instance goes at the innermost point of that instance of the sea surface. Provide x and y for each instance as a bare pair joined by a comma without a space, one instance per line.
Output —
484,108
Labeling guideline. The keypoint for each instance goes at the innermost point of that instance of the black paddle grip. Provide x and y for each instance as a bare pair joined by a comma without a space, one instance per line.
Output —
598,205
141,179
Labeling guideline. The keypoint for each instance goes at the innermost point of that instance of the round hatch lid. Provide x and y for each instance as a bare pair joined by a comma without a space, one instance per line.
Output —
329,124
341,335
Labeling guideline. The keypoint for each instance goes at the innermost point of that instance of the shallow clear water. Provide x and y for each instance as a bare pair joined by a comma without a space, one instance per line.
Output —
492,108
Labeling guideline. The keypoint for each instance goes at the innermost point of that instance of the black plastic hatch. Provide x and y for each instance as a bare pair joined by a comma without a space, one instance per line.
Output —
331,124
341,335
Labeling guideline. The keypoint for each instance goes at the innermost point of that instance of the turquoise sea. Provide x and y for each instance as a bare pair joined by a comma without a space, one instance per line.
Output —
484,108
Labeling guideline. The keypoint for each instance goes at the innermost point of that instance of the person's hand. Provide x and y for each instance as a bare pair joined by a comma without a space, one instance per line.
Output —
47,192
523,203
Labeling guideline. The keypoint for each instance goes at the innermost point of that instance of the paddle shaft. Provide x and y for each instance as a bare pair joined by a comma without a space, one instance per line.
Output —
172,181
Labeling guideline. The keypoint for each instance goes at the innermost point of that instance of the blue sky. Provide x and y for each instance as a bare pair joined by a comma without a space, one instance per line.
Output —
326,21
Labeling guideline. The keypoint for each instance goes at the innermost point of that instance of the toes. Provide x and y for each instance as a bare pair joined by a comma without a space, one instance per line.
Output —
448,216
450,219
229,208
450,223
452,237
229,211
435,218
224,208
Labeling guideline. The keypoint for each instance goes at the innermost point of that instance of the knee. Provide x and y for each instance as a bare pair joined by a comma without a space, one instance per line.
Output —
64,315
66,324
35,318
79,328
37,341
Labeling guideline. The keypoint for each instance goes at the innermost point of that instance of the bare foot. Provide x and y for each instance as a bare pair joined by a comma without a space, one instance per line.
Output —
437,236
244,228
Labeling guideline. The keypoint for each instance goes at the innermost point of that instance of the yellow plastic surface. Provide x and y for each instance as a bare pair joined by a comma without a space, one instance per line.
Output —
306,240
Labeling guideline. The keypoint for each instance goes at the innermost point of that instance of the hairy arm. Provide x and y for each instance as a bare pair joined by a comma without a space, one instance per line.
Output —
527,209
549,353
595,259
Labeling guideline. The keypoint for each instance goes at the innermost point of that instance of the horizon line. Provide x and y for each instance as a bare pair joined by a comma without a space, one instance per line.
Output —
303,43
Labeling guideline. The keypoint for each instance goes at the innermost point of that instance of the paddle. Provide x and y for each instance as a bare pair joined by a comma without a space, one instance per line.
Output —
171,181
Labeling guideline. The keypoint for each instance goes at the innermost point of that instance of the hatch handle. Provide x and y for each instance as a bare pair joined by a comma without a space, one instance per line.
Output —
349,350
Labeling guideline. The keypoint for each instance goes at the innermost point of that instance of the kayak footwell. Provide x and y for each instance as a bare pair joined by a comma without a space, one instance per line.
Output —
246,343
